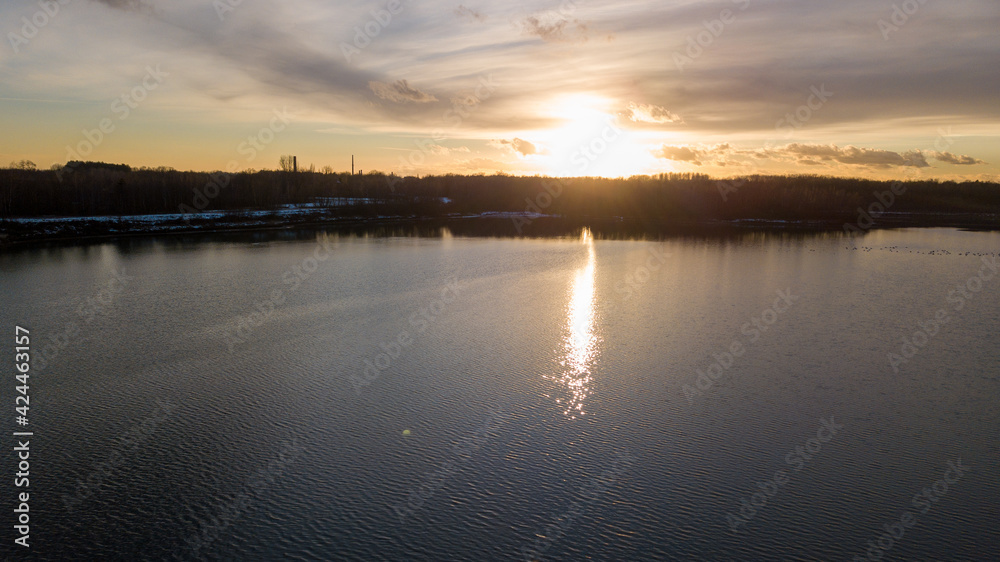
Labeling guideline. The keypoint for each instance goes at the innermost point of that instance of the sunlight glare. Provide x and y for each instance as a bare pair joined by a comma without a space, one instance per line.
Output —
593,141
580,341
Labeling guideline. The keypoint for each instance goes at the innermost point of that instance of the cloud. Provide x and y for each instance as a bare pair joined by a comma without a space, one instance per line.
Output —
554,27
680,154
400,92
694,155
958,160
254,56
649,113
739,83
851,155
444,150
470,14
808,155
520,146
936,71
481,164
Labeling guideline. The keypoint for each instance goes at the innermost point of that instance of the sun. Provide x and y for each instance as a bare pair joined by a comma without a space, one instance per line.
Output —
592,140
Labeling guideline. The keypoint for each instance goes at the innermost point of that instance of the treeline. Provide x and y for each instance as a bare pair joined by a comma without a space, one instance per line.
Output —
700,198
98,189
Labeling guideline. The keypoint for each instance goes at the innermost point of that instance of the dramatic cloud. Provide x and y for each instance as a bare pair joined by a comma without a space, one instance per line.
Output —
520,146
469,14
400,92
648,113
272,58
229,67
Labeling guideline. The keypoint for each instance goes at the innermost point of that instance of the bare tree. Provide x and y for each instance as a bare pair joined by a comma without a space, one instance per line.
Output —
23,165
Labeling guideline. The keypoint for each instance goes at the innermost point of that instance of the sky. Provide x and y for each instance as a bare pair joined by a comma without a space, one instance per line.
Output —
861,88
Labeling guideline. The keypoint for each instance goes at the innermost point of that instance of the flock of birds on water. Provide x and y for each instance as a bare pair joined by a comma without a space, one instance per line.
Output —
897,249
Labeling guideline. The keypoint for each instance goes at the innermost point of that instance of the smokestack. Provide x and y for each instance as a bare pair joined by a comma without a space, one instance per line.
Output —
295,163
352,164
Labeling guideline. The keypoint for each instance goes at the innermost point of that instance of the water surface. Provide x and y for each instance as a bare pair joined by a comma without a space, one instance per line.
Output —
313,396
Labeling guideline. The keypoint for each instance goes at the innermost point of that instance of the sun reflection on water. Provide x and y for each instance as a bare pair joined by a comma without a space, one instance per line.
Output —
580,343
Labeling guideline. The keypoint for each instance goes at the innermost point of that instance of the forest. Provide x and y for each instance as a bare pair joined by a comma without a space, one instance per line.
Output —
88,189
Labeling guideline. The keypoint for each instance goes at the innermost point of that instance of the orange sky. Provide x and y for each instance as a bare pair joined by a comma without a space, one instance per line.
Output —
573,88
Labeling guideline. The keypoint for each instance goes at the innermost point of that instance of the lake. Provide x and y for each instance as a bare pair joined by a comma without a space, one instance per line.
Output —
314,395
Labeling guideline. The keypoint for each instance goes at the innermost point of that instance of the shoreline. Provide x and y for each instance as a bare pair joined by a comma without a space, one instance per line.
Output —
23,232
